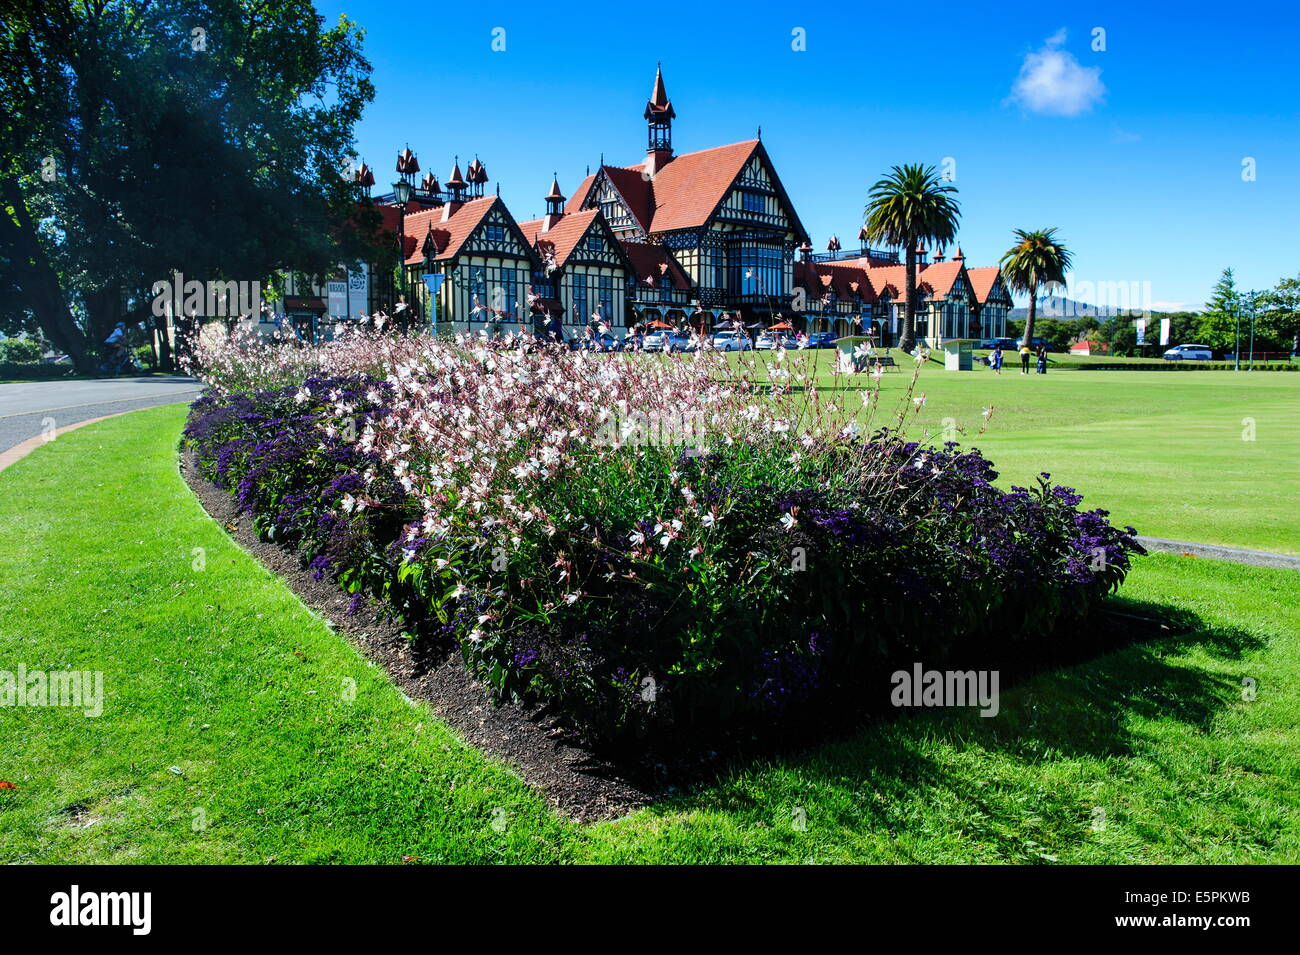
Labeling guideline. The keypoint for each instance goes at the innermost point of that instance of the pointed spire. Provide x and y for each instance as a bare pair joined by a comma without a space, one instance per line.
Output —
365,177
957,256
834,244
659,100
456,181
555,188
407,164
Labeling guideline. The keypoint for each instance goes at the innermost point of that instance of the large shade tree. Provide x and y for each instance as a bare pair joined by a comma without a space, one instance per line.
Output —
912,205
139,138
1036,263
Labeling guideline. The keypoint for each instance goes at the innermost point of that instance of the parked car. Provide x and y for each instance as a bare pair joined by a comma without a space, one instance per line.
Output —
768,341
681,342
605,342
992,343
821,340
731,341
1189,353
655,341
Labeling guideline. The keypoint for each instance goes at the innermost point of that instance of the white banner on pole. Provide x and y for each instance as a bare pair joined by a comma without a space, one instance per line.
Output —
1141,331
338,299
1164,331
359,291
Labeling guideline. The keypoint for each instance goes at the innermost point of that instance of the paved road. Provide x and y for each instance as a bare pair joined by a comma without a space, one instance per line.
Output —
25,406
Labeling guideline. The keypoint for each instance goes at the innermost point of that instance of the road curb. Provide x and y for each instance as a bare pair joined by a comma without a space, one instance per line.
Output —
1238,555
24,448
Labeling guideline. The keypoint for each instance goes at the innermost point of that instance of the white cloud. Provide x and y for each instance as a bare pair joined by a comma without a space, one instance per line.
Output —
1051,81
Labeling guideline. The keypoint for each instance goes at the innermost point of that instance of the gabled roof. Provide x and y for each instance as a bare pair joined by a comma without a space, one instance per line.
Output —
563,236
653,263
982,281
688,189
940,276
845,281
685,192
629,183
450,229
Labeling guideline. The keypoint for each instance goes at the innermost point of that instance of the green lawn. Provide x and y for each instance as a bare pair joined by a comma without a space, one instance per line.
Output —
1210,457
228,733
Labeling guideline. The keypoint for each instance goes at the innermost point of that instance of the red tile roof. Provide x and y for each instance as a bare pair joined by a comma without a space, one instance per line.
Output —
684,192
563,235
982,281
652,263
449,234
940,276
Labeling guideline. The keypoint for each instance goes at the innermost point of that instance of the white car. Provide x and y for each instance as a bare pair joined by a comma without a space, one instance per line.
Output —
655,341
767,341
1189,353
731,341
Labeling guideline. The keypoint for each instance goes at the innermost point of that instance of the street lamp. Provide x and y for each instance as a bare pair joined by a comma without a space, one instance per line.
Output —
402,195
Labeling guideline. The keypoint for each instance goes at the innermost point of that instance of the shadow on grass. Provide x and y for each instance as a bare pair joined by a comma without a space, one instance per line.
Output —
1084,709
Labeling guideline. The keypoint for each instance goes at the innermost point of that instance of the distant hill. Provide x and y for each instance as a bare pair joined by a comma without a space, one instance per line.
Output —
1056,306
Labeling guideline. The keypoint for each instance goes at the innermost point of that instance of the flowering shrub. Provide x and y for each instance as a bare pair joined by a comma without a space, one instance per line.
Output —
647,543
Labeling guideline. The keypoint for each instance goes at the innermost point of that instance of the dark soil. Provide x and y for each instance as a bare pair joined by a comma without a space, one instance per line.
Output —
583,783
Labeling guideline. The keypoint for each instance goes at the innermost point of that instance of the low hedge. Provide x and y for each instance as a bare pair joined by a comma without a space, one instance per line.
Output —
642,589
1183,366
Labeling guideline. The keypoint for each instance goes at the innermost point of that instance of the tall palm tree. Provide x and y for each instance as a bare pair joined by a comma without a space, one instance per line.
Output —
911,205
1038,261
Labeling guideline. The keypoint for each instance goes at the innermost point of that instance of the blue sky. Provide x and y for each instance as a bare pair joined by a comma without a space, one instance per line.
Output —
1134,152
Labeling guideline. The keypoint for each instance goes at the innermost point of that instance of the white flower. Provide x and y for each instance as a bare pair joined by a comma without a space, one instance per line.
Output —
708,520
788,522
637,538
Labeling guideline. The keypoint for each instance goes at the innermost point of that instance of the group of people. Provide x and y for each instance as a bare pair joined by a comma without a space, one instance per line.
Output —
1026,353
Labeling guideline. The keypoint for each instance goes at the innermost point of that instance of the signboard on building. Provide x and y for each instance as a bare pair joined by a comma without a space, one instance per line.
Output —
338,299
359,291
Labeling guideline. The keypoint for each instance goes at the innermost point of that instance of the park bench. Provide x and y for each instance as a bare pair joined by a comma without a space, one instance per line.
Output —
884,361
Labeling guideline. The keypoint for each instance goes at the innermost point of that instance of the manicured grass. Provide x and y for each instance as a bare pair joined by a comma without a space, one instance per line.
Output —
1208,457
225,695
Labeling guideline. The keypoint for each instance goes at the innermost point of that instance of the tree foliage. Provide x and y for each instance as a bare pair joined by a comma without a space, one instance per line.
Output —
209,137
912,205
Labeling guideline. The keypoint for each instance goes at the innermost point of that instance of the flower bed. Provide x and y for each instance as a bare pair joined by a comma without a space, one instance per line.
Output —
649,544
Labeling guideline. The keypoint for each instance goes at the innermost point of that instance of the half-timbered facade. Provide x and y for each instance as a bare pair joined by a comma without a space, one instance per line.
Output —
679,238
722,214
584,271
992,300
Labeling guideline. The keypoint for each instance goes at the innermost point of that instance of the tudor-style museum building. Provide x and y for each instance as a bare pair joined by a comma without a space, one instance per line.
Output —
683,239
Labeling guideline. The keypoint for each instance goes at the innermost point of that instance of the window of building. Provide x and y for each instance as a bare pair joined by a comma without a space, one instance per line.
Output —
510,296
580,298
495,232
594,244
751,201
756,270
477,285
607,297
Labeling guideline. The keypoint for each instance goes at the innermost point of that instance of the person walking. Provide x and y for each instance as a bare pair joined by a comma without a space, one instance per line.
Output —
1024,359
1042,359
996,361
